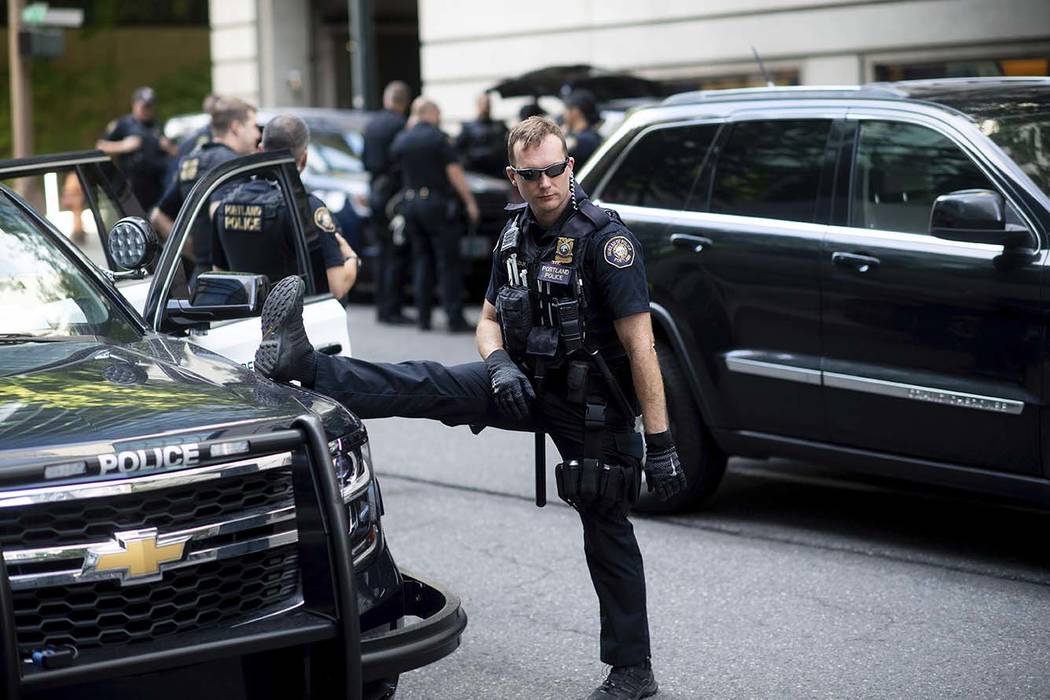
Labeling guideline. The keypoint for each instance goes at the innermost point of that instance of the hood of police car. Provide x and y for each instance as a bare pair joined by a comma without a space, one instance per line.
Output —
66,398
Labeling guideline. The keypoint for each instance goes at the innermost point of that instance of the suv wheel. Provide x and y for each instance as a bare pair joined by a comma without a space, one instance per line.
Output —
703,462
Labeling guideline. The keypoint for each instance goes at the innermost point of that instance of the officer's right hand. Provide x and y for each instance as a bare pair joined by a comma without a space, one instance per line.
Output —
510,387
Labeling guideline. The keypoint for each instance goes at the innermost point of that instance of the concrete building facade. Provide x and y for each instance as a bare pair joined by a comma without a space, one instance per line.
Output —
269,50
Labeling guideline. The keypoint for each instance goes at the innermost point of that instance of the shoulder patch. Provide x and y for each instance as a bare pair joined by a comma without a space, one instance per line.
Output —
188,169
619,252
323,219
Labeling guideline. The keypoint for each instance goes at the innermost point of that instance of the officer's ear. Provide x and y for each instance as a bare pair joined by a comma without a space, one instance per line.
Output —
572,165
510,175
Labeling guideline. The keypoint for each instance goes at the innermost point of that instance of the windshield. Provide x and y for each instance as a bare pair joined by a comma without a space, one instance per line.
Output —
43,294
335,153
1026,139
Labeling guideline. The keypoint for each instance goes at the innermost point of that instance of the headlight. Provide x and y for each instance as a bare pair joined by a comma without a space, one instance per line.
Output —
353,468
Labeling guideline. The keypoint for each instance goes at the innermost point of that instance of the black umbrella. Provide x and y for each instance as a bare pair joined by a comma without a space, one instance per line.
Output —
560,81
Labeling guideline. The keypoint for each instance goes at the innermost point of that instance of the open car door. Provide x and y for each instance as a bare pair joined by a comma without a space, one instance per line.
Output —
82,194
324,317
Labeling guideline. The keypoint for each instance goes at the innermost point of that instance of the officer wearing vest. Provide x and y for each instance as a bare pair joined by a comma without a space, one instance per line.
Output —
139,148
432,185
568,350
235,133
254,232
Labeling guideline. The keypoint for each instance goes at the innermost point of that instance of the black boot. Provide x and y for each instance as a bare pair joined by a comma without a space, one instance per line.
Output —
285,352
627,683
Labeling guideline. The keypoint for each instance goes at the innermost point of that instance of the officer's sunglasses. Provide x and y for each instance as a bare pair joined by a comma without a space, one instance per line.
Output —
533,174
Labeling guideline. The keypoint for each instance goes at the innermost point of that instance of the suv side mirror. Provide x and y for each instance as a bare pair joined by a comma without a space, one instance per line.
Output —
133,245
974,216
219,296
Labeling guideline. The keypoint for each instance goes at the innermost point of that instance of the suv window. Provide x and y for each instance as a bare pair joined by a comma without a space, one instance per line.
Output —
661,169
900,169
771,169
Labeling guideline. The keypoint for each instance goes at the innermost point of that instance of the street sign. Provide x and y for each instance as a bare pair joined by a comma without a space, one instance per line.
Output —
41,13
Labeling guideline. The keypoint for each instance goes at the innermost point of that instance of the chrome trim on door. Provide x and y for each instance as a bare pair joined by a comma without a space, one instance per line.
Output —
913,392
773,370
741,363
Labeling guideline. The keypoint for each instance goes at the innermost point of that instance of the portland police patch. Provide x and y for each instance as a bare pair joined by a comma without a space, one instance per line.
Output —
323,219
619,252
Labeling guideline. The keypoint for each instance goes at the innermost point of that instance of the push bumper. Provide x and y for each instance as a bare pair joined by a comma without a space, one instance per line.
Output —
434,636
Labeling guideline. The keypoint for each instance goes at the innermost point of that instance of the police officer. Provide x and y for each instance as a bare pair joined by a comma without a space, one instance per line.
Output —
234,133
392,263
141,151
433,183
193,140
482,143
568,349
581,117
254,233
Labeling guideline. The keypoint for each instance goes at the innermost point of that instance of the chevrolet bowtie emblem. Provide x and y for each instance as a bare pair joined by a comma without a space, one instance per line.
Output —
135,556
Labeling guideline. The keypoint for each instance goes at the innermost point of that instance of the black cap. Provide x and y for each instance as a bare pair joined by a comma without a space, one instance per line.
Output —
144,94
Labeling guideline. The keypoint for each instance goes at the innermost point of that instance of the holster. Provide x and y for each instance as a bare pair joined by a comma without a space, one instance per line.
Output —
591,484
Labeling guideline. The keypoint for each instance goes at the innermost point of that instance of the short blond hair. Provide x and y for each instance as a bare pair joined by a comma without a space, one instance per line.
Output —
531,133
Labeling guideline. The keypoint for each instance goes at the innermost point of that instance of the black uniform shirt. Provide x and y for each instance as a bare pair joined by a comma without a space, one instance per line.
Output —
144,167
422,153
483,145
583,144
255,233
194,140
192,168
320,239
378,136
613,271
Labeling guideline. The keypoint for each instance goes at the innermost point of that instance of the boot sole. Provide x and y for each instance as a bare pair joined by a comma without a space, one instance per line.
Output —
285,299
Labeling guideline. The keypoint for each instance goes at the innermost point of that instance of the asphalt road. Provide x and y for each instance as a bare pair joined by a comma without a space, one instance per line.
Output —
798,582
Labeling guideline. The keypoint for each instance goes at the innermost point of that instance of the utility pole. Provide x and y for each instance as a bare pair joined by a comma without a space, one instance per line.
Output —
362,55
21,97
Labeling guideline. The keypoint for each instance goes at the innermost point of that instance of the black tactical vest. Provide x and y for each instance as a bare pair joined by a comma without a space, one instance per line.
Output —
541,309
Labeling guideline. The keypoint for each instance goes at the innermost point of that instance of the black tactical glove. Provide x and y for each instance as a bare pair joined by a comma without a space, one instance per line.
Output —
663,469
510,387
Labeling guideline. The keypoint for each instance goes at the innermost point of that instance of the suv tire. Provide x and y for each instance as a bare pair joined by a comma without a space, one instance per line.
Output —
703,462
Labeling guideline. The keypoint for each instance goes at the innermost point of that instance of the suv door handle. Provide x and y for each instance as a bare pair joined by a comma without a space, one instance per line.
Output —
860,263
693,243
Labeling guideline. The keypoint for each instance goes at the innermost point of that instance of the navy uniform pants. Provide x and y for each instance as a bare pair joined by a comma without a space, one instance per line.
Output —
461,395
435,253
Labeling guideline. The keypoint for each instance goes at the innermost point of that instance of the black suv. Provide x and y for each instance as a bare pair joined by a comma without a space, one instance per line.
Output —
849,275
163,506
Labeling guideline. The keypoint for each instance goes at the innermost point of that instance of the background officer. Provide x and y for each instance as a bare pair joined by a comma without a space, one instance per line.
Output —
254,233
552,245
235,133
393,259
482,143
581,119
140,150
193,140
432,184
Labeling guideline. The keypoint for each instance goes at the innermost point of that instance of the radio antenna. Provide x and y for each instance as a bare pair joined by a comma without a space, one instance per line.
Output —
762,67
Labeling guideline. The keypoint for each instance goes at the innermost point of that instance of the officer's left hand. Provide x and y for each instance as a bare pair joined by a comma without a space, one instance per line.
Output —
663,469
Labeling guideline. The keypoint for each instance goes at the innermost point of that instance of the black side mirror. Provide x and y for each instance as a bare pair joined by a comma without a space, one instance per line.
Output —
975,216
132,244
219,296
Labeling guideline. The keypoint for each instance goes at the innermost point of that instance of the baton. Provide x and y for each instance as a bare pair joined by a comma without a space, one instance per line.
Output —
541,471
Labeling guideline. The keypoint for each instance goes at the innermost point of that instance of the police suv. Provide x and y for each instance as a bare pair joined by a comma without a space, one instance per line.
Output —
161,505
848,275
